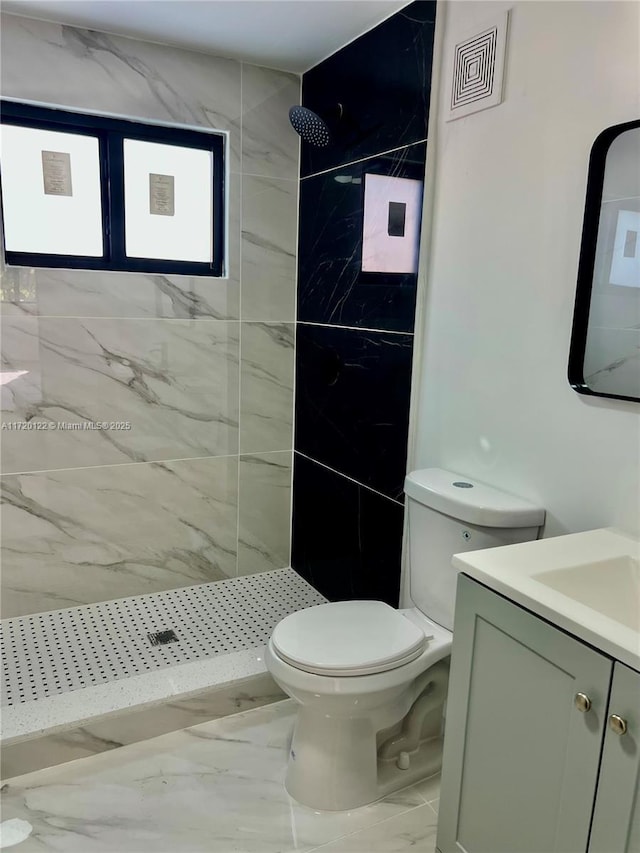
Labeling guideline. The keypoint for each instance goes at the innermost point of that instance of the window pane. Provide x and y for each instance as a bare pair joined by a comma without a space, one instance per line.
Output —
168,199
51,192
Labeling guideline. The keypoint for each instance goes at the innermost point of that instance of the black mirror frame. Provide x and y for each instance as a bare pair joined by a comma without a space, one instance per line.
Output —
586,264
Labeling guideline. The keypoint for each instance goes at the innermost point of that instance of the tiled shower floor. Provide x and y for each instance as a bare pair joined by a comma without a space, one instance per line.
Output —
67,666
214,788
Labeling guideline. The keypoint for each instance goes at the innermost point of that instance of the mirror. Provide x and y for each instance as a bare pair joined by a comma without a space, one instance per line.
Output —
604,357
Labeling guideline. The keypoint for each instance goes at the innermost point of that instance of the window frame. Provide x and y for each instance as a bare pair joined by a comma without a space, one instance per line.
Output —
111,133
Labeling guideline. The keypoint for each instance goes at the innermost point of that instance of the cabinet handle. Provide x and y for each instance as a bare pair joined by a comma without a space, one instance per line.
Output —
582,702
617,724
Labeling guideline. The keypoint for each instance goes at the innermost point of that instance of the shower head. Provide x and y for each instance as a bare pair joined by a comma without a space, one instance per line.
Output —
311,127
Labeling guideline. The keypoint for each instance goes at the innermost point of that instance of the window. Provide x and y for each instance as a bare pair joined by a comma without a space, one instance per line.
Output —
91,192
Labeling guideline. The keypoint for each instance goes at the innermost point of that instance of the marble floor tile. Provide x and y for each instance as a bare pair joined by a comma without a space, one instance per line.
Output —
95,534
430,788
415,830
264,515
174,382
214,788
266,396
269,235
270,145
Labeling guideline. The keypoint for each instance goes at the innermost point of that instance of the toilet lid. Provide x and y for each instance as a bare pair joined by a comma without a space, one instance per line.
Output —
347,638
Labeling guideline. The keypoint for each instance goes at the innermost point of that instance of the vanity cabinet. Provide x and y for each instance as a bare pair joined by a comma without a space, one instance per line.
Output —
616,817
529,758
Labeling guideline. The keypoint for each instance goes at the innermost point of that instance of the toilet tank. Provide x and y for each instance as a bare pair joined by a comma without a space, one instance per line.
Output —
449,514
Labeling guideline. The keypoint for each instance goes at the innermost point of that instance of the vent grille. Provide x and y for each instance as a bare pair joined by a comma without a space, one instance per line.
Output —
474,69
161,638
477,69
62,650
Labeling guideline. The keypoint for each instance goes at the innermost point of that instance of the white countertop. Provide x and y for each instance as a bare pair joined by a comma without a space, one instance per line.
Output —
597,568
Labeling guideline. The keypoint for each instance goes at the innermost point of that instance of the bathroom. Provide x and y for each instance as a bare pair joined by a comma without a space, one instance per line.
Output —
274,411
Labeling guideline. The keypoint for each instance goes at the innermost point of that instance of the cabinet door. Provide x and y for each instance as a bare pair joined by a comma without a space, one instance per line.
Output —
616,820
520,760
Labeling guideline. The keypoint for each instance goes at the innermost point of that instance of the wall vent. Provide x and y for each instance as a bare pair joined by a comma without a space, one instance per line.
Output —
477,70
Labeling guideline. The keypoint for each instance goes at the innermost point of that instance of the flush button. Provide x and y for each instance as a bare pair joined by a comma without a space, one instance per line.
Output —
461,484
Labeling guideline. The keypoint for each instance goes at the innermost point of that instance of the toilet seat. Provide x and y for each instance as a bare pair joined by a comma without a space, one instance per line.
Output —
348,638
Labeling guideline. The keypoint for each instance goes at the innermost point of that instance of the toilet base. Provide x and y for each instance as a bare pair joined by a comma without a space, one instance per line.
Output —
347,773
341,775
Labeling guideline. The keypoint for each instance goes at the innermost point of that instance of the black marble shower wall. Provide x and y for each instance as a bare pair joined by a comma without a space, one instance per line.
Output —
354,327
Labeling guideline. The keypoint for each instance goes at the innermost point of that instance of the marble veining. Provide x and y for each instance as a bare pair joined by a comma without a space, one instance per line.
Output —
27,291
89,513
214,787
269,235
138,693
172,384
270,146
136,725
125,77
90,293
382,79
266,395
265,511
352,405
332,288
354,336
612,361
93,534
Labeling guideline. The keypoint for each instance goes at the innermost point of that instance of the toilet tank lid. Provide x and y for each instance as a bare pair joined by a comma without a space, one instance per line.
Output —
469,500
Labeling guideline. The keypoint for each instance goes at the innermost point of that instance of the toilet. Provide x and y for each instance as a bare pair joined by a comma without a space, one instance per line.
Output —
371,681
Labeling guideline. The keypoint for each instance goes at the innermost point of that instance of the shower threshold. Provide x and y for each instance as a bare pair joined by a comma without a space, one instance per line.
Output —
65,669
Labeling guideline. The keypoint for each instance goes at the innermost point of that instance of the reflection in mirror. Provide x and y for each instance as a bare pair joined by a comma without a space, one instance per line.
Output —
605,345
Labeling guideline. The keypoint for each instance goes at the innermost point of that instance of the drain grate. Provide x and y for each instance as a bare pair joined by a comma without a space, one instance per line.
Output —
161,638
62,650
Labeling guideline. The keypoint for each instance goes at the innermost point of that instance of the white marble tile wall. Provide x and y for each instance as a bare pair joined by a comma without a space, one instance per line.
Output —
265,511
201,368
266,387
269,226
80,535
172,385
